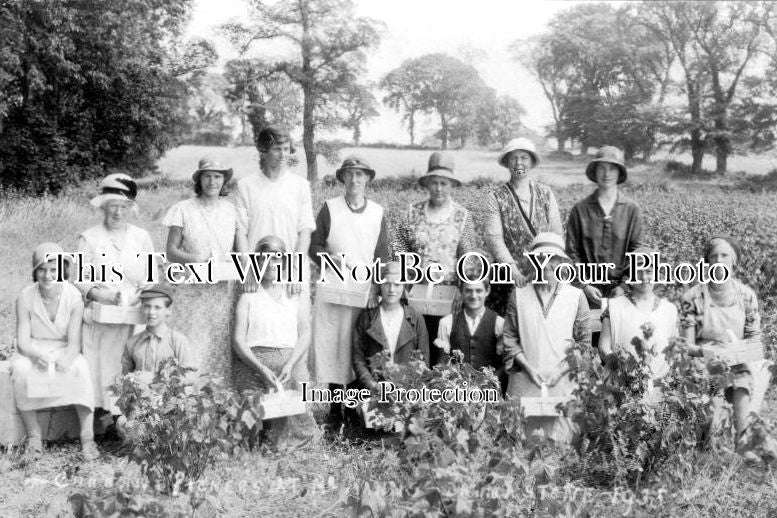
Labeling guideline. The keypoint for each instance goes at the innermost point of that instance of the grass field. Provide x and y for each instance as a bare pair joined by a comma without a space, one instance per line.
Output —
677,220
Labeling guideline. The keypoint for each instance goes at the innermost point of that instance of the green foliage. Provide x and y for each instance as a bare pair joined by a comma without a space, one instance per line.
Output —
627,434
86,86
180,423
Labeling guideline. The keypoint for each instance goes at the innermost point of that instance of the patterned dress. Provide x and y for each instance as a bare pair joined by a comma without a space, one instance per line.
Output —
203,312
507,234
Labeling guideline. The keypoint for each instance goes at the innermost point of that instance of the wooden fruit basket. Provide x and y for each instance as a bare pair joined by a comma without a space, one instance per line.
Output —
348,293
735,353
107,314
432,299
282,404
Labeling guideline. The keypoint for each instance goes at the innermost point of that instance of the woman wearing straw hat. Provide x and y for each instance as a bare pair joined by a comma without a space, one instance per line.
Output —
48,333
606,225
202,228
355,226
516,212
114,242
438,229
541,323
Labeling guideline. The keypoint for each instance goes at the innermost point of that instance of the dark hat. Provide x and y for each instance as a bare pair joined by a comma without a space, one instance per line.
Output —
271,135
211,164
155,293
117,186
440,164
355,162
609,154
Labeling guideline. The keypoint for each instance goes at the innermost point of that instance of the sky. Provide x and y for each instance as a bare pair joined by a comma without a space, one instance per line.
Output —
485,28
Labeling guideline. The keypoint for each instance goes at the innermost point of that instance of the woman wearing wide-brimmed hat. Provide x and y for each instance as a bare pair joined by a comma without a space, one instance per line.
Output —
200,229
606,225
48,334
541,324
356,226
516,212
438,229
114,242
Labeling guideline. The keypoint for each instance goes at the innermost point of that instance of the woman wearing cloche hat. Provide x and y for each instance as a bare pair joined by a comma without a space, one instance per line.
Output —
516,212
438,229
49,316
114,242
199,229
541,323
606,225
356,226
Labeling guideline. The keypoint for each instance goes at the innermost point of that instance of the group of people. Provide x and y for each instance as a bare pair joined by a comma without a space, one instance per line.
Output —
278,337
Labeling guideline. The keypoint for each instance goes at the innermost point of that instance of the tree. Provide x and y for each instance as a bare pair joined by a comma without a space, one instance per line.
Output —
438,84
507,120
259,95
88,85
329,39
403,93
715,44
359,105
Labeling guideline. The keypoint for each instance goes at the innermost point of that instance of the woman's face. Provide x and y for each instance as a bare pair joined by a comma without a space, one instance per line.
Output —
549,272
440,189
607,174
274,263
645,278
278,155
355,181
116,213
391,290
723,253
211,183
519,163
46,273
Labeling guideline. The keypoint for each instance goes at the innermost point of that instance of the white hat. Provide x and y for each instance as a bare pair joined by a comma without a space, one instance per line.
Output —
117,186
548,243
522,144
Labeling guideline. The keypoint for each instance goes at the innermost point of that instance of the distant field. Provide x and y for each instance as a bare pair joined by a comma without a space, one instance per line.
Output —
470,164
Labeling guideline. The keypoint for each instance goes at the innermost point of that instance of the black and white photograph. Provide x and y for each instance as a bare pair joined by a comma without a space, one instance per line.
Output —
401,259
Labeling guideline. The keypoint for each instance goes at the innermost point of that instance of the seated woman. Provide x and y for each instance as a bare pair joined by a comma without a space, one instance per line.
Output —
391,327
542,322
272,334
718,314
48,333
624,318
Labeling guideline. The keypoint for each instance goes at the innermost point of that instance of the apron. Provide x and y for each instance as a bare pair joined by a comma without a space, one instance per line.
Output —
356,235
545,336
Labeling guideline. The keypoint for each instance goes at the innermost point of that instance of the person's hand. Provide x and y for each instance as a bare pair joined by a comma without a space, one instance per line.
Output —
594,295
105,295
617,291
457,304
551,382
285,375
534,376
374,298
294,288
41,361
65,360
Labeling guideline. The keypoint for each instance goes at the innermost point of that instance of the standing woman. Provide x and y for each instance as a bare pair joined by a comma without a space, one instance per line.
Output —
48,331
355,226
114,242
200,229
438,229
717,314
516,212
542,322
605,226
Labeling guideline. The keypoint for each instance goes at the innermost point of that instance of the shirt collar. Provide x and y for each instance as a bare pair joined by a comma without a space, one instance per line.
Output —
162,333
592,199
477,316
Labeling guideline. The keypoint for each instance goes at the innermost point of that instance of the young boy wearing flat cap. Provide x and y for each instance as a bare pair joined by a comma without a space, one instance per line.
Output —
146,350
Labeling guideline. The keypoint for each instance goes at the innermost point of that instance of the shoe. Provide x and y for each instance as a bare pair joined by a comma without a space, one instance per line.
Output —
34,448
89,451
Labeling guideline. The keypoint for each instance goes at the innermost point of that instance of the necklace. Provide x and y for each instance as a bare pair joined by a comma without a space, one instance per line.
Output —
355,207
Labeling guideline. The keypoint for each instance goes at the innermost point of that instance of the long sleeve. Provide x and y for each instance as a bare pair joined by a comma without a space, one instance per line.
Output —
127,363
358,350
495,232
467,241
422,338
554,216
241,204
321,234
574,238
581,331
636,234
752,329
306,221
383,246
87,254
511,338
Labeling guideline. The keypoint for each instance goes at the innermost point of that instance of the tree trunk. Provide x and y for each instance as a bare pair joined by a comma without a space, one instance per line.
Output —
357,134
411,125
443,133
561,140
697,145
583,148
308,134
